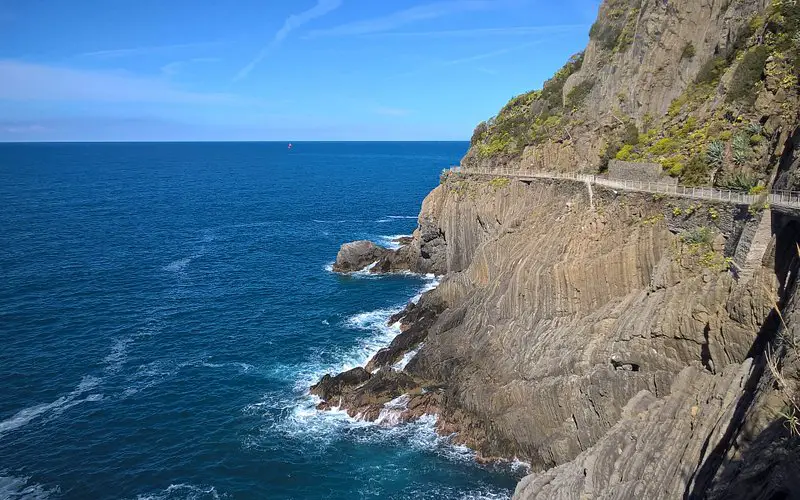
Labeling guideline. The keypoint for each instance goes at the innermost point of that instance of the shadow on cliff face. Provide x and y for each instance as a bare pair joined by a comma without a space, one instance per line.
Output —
767,469
767,466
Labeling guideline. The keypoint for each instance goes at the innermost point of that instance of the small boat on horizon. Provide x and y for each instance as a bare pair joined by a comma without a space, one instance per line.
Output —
290,146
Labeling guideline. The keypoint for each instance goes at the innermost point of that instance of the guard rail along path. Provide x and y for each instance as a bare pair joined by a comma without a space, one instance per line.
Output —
788,199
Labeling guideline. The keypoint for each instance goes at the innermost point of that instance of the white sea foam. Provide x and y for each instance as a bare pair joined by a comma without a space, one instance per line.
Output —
55,408
184,492
241,367
402,217
366,271
432,283
299,419
392,411
19,488
400,365
178,265
390,241
329,267
151,374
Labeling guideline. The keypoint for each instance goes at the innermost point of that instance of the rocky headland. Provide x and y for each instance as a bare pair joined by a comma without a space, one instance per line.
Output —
624,344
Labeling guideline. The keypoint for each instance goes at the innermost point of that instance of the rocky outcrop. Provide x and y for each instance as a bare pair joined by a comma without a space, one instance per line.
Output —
357,255
332,387
367,256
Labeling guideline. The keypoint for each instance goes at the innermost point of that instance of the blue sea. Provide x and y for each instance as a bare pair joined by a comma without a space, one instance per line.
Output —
165,306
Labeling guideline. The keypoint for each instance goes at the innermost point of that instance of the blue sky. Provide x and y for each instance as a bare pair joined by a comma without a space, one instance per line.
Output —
274,70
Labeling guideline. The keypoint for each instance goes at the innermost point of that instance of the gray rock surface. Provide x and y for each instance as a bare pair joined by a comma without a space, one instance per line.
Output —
357,255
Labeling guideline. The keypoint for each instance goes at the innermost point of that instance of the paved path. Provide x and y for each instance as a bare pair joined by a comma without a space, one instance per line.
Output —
775,199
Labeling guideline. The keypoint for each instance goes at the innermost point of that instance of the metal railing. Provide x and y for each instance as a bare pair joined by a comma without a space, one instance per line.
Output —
776,198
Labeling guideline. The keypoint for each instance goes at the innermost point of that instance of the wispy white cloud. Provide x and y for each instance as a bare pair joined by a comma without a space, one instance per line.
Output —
141,51
404,17
467,59
176,67
293,22
487,32
24,81
489,55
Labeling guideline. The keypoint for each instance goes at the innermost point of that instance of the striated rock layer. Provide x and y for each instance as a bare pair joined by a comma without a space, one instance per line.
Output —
626,345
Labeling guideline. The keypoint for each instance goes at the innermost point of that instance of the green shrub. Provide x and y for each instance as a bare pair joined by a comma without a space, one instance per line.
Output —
715,154
754,128
674,165
479,132
741,149
747,74
499,182
610,152
579,93
757,189
688,51
553,88
663,146
741,181
699,236
624,154
695,173
711,71
630,135
606,35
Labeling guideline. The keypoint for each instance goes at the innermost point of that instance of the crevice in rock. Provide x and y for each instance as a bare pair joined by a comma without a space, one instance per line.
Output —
577,432
705,352
624,366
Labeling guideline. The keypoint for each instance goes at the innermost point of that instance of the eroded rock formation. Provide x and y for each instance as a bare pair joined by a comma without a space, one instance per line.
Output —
611,339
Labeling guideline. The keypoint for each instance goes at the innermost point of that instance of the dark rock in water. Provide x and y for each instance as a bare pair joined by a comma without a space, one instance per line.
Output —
428,403
332,387
402,259
384,386
416,321
357,255
394,318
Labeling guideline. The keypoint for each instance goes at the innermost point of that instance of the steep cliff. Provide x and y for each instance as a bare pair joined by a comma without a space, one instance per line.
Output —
708,89
615,340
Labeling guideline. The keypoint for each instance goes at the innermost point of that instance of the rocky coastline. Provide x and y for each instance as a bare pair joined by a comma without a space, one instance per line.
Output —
624,344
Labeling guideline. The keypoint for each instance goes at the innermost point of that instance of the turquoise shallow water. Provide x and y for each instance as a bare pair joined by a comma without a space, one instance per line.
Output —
164,307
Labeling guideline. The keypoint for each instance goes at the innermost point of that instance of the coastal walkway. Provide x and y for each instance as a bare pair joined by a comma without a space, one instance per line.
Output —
775,199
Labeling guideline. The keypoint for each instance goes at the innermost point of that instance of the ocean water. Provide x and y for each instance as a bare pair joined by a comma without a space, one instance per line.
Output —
164,307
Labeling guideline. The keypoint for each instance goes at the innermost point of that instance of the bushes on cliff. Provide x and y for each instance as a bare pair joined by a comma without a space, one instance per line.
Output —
552,90
606,35
688,51
528,118
578,94
695,172
747,74
478,133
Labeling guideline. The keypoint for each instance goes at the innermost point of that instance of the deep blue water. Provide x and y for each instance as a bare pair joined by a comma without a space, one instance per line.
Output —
164,307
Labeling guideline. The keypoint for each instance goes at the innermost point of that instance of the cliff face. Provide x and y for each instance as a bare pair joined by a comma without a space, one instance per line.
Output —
708,89
562,308
615,340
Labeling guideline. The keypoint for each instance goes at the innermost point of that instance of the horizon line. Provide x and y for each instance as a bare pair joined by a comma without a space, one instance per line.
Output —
228,141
